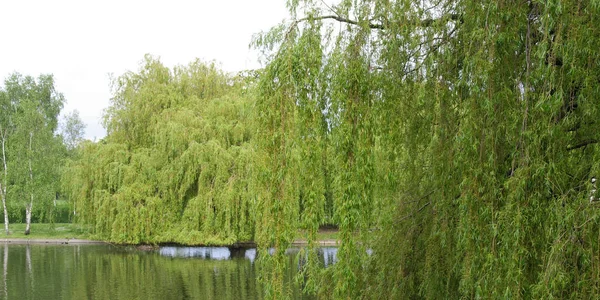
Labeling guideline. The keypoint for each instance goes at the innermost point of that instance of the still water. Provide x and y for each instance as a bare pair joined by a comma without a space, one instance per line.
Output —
111,272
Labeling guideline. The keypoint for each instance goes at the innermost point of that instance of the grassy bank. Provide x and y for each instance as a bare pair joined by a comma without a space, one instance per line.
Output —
322,235
46,231
76,231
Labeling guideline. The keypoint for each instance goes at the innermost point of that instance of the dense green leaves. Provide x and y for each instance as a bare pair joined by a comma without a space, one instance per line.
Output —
31,151
452,142
175,166
464,142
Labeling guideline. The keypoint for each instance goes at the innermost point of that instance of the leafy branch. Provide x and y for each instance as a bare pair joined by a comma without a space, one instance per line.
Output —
380,26
423,23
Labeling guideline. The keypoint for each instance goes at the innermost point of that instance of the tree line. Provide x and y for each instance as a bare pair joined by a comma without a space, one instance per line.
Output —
453,142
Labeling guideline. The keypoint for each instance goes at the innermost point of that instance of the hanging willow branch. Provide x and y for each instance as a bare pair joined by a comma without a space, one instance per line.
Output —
414,212
423,23
582,144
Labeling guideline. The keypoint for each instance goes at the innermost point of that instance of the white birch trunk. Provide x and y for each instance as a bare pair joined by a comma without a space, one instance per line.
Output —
28,216
3,186
30,205
29,267
3,195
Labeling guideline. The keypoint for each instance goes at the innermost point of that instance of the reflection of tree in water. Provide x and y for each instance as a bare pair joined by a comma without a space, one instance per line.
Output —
101,272
328,255
5,269
218,253
29,266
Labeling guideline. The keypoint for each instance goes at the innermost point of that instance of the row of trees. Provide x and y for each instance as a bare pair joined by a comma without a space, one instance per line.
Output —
179,163
453,140
32,150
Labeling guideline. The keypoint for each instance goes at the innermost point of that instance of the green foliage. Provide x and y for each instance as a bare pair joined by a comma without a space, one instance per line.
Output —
463,137
32,153
454,139
72,130
46,212
175,166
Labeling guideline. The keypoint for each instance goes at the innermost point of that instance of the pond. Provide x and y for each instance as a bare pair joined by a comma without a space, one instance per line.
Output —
113,272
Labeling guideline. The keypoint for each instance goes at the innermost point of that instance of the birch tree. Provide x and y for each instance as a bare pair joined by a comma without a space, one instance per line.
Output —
5,127
36,106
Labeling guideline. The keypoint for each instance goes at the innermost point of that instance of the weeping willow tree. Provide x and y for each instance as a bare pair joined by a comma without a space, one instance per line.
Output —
175,165
463,140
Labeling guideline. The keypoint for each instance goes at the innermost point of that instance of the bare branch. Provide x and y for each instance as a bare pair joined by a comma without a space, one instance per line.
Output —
423,23
434,48
340,19
582,144
329,7
414,212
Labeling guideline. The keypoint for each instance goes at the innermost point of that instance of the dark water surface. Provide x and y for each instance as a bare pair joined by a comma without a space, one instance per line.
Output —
110,272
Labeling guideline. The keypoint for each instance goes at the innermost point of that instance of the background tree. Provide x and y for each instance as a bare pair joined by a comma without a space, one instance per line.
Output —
35,106
175,165
6,127
72,130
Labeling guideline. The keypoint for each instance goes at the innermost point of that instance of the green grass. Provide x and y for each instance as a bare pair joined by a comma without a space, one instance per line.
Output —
76,231
327,235
46,231
322,235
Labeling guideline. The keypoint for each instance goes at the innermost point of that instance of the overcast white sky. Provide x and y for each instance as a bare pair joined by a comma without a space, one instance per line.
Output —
81,42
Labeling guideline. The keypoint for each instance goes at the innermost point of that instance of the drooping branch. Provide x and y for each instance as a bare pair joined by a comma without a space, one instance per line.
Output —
414,212
339,19
582,144
422,23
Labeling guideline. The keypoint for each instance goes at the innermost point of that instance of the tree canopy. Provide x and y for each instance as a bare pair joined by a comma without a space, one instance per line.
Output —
452,142
175,165
32,152
464,137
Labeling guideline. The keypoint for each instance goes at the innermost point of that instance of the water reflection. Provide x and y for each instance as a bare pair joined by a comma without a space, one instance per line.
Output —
218,253
328,255
250,254
5,271
109,272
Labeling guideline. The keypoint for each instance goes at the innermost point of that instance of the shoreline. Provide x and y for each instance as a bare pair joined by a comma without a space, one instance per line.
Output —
41,241
66,241
298,243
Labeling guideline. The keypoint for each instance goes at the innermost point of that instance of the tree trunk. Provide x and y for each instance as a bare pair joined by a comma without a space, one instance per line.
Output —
28,216
3,186
30,205
3,192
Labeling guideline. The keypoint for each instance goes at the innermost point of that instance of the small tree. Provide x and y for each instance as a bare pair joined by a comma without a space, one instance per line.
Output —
72,130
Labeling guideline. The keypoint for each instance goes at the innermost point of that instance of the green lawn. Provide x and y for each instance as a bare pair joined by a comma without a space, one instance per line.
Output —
322,235
46,231
76,231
